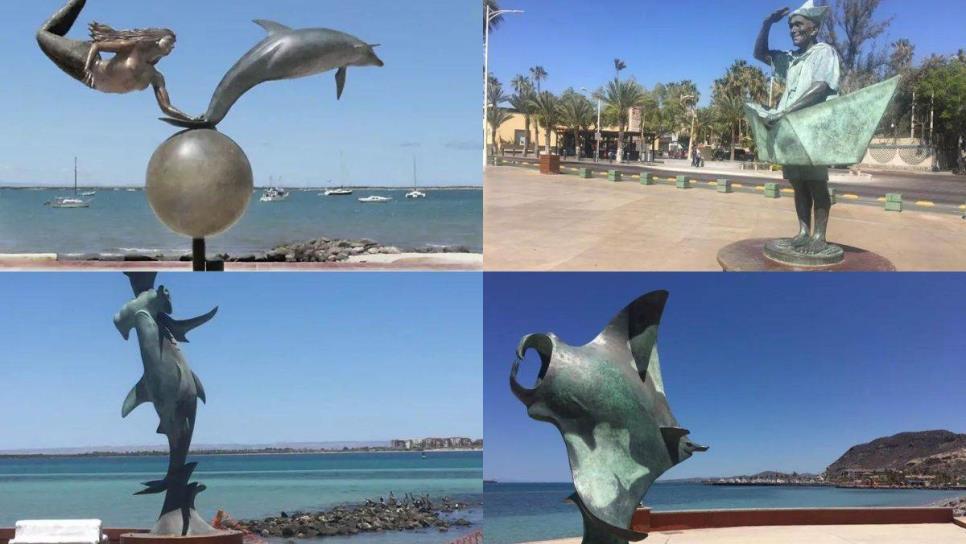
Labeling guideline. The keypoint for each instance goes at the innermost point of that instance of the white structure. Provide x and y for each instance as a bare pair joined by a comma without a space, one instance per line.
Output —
58,531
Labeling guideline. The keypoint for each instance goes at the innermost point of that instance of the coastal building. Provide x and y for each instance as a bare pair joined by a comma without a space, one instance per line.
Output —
511,138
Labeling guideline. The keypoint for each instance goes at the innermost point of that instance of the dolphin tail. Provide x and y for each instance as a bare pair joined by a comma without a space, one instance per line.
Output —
181,123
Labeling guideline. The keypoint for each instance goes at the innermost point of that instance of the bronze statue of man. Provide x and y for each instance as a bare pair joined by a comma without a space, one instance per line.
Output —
811,72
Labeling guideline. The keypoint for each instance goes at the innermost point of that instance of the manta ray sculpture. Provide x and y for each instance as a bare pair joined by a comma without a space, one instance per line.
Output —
285,53
174,389
607,400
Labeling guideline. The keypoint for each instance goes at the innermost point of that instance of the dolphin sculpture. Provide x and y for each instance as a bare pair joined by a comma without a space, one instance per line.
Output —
285,53
174,389
607,400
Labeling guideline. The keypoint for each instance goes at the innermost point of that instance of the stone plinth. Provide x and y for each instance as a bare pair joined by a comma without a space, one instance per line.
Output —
221,537
749,256
549,164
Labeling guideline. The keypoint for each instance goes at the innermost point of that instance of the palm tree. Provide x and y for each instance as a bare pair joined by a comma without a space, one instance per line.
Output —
730,110
620,97
538,74
520,100
576,113
495,115
547,109
618,66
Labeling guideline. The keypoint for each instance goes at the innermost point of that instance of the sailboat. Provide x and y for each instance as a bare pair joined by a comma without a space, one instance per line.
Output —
415,193
274,193
70,202
341,190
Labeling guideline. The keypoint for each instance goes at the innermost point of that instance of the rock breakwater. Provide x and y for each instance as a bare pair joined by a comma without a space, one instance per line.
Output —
408,514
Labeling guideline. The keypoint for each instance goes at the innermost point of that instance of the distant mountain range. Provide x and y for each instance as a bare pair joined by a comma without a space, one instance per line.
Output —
925,452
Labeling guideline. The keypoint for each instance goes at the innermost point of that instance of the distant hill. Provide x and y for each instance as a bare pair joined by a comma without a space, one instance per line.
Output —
925,452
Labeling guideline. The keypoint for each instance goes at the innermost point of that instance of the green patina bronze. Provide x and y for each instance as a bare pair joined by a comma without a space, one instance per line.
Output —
607,400
837,131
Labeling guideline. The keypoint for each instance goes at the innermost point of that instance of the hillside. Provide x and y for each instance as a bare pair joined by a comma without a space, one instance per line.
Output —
925,452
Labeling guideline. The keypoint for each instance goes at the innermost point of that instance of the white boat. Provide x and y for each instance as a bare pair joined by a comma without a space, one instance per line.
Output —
274,194
376,198
70,201
340,191
415,193
88,193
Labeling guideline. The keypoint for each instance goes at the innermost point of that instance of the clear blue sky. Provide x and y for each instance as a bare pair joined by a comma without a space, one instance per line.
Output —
774,372
289,357
424,103
576,42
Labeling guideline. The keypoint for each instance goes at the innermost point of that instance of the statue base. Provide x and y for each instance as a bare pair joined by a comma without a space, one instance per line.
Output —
781,250
218,537
749,256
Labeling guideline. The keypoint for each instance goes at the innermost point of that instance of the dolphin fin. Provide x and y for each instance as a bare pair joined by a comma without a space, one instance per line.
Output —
179,328
271,26
199,389
135,397
339,82
672,437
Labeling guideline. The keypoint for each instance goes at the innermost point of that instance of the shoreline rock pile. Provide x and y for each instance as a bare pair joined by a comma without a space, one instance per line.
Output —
409,514
319,250
958,504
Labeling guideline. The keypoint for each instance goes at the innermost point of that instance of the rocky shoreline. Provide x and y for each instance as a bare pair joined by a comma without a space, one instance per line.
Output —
319,250
383,515
958,504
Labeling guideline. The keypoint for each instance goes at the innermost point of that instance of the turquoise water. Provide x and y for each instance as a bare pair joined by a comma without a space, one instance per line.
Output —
120,222
246,486
527,512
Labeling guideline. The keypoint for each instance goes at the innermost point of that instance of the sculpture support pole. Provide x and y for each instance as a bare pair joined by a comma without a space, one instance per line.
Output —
198,254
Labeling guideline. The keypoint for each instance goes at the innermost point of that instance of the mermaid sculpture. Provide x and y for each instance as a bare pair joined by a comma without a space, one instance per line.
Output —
131,68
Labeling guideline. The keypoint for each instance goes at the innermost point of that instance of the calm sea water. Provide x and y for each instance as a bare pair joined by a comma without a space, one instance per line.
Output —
120,222
246,486
527,512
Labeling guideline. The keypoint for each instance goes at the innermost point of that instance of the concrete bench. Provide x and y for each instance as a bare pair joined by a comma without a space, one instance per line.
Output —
58,531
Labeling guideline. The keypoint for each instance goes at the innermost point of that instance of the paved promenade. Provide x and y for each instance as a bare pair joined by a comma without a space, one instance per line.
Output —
547,222
928,533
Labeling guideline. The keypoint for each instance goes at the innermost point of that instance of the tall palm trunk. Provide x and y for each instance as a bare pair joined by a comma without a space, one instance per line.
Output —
620,142
526,130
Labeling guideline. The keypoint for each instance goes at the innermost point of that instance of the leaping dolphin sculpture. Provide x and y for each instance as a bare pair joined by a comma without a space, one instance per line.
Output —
285,53
174,389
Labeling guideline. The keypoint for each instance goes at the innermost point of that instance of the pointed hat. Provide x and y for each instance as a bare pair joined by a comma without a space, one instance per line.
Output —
810,11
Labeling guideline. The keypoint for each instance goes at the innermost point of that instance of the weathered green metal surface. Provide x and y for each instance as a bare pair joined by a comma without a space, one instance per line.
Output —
607,400
837,131
614,175
724,185
683,182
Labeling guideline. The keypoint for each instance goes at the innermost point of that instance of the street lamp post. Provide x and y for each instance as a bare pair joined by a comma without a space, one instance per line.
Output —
597,134
490,15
